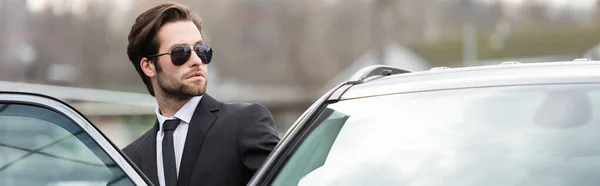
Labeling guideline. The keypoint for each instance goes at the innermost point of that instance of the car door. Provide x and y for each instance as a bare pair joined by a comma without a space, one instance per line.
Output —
44,141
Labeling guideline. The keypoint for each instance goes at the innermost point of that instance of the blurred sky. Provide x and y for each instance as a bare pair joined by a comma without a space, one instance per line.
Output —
80,5
76,6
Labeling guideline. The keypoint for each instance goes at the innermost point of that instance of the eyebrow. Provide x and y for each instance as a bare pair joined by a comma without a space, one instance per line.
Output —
177,44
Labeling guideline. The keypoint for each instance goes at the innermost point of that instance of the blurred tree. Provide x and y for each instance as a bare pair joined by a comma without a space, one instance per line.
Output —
54,36
94,46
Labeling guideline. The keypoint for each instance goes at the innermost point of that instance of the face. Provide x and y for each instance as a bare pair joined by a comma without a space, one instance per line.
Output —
181,82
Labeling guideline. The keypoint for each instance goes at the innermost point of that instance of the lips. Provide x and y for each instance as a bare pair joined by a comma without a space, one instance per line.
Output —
195,74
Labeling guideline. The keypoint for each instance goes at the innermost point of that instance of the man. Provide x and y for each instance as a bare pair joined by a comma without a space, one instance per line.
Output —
196,139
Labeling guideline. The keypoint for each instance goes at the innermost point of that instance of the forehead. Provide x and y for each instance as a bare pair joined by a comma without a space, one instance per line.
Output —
178,32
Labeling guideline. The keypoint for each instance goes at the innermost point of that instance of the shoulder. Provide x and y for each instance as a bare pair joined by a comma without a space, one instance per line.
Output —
239,111
246,108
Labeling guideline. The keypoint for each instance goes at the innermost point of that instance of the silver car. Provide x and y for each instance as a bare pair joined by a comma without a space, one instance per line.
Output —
507,124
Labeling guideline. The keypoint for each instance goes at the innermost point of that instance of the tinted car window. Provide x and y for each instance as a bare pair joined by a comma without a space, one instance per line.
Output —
41,147
525,135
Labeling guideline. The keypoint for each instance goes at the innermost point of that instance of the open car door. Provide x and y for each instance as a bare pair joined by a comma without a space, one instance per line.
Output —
44,141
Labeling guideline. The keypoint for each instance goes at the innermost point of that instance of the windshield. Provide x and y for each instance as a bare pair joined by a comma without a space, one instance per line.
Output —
525,135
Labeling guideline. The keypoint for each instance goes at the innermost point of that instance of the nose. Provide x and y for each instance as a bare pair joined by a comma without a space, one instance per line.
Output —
194,60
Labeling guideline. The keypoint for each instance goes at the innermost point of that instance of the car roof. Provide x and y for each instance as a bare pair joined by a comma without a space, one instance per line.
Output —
505,74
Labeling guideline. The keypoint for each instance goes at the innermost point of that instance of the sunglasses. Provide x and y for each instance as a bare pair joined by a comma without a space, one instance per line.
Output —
180,54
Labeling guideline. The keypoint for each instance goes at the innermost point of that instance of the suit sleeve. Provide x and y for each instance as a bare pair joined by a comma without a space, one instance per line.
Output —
257,136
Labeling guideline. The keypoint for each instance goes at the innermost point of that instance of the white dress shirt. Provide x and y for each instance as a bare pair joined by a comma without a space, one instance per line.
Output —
185,114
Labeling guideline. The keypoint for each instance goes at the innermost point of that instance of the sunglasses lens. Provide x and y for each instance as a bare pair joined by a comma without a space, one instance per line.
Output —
180,55
204,52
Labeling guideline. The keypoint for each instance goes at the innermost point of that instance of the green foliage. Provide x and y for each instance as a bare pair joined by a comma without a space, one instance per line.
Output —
523,43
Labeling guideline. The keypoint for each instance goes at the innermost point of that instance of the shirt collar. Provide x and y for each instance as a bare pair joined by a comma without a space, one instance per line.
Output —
185,113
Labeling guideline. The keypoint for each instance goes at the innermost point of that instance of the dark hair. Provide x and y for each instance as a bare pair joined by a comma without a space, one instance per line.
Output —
142,37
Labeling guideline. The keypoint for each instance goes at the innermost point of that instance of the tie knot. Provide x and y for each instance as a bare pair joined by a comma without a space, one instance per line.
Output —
170,125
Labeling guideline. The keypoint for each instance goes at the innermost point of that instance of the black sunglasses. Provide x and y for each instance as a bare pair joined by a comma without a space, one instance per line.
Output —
180,54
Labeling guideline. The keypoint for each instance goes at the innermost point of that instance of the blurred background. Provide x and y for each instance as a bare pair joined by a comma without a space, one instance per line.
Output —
283,54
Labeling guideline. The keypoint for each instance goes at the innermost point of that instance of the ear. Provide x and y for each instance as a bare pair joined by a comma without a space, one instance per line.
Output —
148,67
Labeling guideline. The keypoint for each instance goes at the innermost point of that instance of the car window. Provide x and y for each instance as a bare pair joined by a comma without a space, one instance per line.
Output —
314,149
39,146
525,135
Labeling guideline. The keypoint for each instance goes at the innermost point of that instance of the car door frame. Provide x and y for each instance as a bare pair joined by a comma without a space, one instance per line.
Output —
66,110
294,136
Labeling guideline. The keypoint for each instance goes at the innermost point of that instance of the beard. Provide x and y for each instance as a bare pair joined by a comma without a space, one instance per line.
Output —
174,88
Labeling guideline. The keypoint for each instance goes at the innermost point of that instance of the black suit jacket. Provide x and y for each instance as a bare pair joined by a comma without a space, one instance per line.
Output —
225,144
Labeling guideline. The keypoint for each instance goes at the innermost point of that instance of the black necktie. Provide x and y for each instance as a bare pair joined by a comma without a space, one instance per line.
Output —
168,151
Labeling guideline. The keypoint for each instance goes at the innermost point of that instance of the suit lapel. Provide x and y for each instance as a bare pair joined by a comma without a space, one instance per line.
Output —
199,125
148,155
